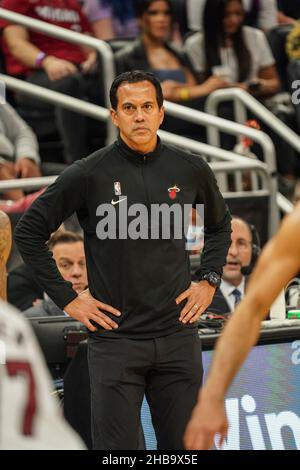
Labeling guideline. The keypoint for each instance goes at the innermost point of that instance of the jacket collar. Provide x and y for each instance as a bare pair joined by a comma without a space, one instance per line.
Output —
135,156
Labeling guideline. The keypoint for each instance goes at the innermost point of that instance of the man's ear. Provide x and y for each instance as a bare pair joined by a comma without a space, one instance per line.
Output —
114,117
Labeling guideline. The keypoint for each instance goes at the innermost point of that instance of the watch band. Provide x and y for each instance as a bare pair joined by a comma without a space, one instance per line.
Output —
212,278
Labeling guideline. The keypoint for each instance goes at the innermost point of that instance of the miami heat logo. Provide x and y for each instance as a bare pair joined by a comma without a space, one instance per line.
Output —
173,192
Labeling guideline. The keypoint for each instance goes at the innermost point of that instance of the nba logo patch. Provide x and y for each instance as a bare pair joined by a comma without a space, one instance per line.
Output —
117,186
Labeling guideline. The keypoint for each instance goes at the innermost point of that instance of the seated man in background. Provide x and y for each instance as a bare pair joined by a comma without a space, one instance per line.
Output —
242,253
19,156
68,252
55,64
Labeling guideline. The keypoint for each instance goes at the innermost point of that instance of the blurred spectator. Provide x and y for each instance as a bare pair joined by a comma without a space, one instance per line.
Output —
240,254
241,55
152,52
68,252
288,11
112,18
19,156
227,48
54,64
258,13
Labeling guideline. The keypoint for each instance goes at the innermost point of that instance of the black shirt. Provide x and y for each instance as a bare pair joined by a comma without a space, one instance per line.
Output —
142,277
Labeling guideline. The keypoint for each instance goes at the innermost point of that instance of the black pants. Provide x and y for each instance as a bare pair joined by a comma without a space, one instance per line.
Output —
167,370
72,126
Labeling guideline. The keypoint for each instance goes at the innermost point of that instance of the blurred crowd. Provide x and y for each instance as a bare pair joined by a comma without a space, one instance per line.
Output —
193,46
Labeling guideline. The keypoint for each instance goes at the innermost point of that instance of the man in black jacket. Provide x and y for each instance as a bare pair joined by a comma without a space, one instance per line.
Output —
142,310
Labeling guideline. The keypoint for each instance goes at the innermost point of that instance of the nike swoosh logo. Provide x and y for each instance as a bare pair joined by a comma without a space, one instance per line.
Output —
117,202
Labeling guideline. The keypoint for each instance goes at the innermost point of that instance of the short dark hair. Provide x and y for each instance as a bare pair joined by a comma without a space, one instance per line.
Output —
64,237
135,76
141,6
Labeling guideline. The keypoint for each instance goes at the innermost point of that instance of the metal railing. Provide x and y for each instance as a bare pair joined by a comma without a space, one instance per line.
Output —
284,204
102,114
224,125
172,109
243,101
76,38
57,98
217,167
228,166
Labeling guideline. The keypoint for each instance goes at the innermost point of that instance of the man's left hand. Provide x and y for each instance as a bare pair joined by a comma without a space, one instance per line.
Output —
27,168
199,297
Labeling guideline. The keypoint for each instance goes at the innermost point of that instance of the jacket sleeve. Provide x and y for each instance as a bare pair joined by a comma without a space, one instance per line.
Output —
20,134
217,223
57,203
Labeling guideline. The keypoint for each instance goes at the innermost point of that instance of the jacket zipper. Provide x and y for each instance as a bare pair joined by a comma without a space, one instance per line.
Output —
144,182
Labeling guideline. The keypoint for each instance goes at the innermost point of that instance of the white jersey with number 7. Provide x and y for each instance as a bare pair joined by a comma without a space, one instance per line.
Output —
30,417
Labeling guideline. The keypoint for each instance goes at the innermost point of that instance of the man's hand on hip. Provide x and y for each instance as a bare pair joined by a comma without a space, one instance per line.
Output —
85,308
199,297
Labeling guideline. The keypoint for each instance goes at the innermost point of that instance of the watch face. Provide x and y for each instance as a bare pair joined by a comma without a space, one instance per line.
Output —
213,279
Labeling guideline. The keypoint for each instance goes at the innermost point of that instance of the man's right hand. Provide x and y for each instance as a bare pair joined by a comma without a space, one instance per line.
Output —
85,308
57,69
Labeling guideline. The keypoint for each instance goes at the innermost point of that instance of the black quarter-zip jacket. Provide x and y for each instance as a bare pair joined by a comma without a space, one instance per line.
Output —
141,277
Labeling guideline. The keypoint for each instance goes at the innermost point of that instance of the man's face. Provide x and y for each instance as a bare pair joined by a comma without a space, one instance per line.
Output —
239,253
138,116
70,260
